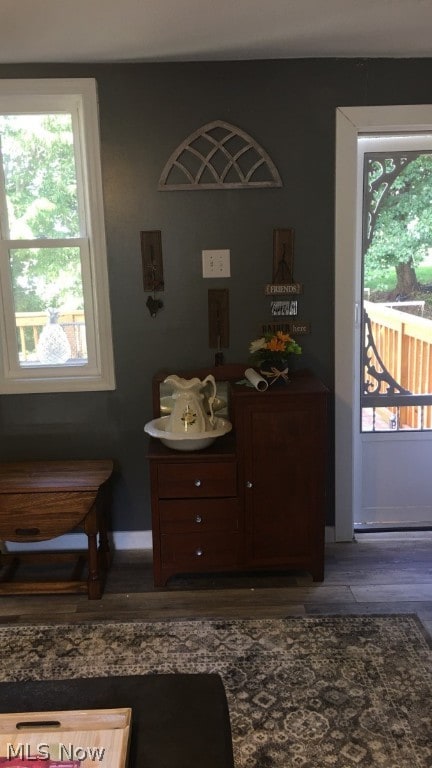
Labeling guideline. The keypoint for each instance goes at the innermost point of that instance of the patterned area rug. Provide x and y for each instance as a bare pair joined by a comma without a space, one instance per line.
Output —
309,692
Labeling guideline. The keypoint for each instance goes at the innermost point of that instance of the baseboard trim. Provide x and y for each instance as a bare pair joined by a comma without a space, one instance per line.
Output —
330,535
120,540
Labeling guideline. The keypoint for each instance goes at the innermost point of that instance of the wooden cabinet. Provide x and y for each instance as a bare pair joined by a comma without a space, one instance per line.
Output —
253,500
282,450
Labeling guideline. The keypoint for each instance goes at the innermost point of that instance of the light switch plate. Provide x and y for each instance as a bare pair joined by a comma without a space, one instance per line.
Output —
216,263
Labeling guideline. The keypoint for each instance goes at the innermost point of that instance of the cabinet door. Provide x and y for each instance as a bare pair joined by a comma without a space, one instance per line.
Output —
284,458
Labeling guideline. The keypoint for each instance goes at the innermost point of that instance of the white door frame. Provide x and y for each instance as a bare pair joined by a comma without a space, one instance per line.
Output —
350,122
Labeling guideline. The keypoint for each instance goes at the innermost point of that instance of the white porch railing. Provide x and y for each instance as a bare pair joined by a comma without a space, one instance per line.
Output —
404,344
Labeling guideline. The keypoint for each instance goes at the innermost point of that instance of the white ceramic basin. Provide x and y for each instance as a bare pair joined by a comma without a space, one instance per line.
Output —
180,441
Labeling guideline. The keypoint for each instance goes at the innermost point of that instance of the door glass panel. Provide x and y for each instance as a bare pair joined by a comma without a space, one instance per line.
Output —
397,292
49,306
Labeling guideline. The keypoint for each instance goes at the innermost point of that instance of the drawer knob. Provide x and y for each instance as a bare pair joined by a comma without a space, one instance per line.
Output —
198,519
199,552
249,484
197,483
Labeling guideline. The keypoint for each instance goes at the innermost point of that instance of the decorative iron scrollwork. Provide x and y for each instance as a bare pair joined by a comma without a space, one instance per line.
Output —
382,170
377,378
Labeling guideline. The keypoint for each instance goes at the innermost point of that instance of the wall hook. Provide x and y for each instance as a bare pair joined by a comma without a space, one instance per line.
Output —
154,305
151,250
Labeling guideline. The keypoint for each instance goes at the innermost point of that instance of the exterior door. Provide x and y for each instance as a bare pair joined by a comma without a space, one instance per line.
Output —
383,384
396,330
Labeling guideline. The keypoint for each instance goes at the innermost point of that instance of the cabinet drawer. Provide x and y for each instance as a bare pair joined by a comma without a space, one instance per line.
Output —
197,480
200,551
199,515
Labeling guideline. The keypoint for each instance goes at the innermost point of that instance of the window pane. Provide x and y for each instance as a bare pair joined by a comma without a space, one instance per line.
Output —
40,176
49,306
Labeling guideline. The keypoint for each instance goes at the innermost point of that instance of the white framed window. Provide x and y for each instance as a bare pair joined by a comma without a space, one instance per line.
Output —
55,323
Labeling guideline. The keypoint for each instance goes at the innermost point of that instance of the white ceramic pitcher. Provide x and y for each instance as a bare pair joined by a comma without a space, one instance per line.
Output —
189,412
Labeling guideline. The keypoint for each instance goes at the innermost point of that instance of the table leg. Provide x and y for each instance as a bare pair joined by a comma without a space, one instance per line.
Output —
93,581
104,545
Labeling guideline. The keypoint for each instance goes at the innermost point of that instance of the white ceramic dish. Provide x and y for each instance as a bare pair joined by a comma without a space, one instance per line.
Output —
180,441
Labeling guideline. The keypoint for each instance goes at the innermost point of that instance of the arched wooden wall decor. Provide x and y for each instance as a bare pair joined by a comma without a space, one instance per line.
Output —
219,156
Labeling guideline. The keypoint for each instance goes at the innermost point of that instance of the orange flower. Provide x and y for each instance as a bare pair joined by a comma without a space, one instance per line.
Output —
279,342
278,345
274,345
285,337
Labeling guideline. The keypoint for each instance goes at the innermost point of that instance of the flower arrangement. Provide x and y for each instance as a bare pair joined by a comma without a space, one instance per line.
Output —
273,347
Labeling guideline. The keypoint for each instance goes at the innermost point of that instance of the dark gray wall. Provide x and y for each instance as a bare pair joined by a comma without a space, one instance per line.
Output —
146,110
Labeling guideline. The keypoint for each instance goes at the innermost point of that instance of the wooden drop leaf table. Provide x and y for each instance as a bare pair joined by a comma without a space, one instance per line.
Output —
41,500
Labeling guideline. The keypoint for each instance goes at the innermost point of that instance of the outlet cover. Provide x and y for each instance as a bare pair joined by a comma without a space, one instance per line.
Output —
216,263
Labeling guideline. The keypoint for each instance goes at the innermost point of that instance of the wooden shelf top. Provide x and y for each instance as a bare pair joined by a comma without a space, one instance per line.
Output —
300,382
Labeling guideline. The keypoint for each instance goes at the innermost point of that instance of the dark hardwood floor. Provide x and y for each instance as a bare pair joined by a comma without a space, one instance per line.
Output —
376,573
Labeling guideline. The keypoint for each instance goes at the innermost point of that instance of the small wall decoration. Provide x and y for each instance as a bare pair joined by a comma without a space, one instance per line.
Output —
218,321
219,156
153,279
280,290
283,307
283,256
283,286
294,328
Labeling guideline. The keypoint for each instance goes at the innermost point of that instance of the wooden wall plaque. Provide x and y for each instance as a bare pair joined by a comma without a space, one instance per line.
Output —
283,256
285,289
151,254
218,318
293,327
